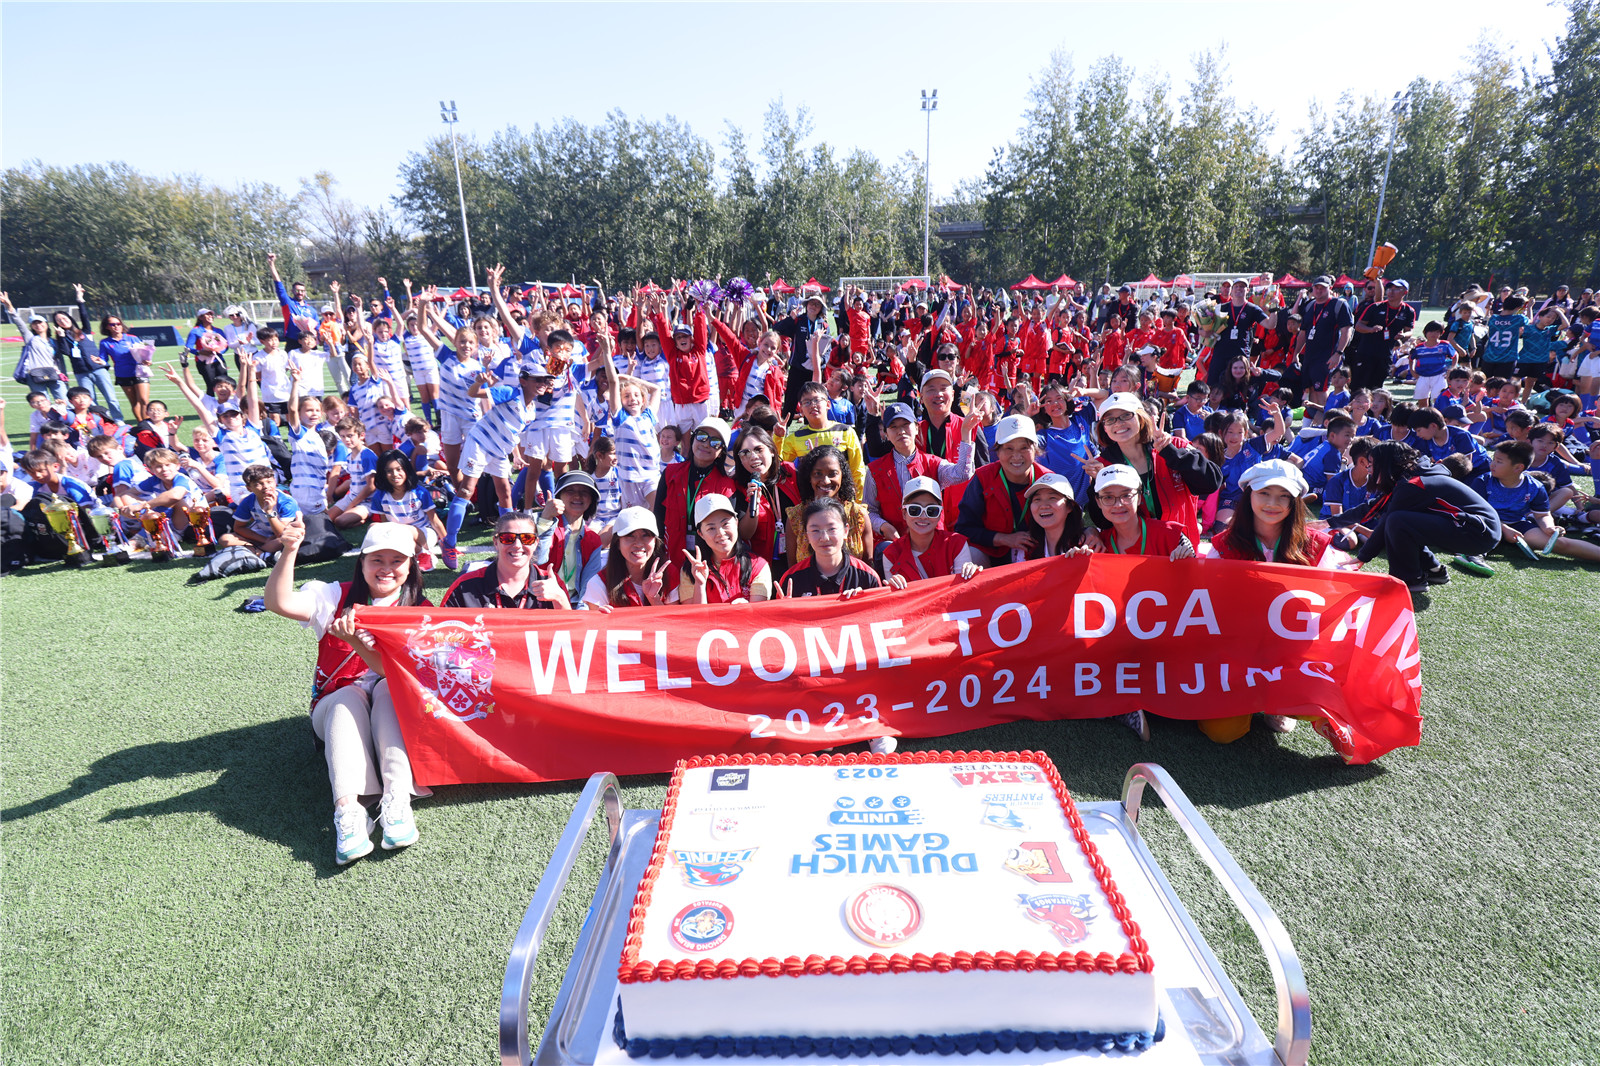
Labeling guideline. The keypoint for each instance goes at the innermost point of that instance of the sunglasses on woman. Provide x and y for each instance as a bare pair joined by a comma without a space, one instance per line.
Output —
917,510
706,438
527,539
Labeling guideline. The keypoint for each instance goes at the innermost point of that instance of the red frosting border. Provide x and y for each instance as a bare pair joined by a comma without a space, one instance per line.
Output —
632,969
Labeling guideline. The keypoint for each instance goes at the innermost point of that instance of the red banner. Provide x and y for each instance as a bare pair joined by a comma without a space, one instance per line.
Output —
503,695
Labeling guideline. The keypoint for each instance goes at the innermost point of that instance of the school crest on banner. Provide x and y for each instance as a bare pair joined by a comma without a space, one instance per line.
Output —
454,662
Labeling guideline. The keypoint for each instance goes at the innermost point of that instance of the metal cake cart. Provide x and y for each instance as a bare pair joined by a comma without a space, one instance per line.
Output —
1206,1021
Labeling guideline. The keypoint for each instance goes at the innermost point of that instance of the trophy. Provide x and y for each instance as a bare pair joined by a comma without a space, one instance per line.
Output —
199,514
158,531
109,526
62,514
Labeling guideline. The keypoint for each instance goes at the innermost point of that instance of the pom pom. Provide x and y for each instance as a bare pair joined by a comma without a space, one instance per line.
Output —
738,289
704,292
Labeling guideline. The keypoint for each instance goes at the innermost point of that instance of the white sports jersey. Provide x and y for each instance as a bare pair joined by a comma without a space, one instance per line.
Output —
713,400
313,382
424,365
596,408
657,372
497,431
390,355
364,397
240,449
610,486
129,475
757,382
638,450
411,509
308,470
500,359
558,410
274,367
455,378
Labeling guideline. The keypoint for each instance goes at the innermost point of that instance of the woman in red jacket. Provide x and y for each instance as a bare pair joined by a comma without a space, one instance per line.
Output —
1174,476
994,507
683,483
1268,527
926,550
721,568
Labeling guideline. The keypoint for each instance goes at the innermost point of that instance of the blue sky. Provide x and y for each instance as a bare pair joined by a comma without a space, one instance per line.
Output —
205,88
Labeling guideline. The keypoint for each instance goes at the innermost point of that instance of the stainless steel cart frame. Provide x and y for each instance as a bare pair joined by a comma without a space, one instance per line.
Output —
1206,1021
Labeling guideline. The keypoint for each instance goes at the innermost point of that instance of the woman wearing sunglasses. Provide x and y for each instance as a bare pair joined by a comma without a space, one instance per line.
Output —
511,580
927,549
683,483
117,349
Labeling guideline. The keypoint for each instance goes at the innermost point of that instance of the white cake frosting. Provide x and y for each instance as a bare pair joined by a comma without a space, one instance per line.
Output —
960,886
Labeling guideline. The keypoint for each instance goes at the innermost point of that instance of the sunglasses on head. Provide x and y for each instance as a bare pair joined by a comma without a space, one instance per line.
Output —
527,539
917,510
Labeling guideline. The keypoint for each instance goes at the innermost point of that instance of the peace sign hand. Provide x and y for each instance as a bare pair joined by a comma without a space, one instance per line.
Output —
651,585
699,570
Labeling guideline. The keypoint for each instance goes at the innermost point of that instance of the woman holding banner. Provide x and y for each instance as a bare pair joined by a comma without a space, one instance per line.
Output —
511,580
1174,476
721,568
352,713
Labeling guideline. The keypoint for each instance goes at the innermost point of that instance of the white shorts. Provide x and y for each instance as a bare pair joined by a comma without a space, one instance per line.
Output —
345,503
1428,387
683,415
453,428
425,373
475,462
550,445
1590,366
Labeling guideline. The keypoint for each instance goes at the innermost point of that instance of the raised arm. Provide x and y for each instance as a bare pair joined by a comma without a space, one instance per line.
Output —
513,330
191,394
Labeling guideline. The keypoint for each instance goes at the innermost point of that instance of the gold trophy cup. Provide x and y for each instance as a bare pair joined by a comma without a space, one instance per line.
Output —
62,514
159,534
199,514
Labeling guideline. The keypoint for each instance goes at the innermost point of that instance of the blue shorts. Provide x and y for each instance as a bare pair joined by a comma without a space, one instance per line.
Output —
1541,369
1522,525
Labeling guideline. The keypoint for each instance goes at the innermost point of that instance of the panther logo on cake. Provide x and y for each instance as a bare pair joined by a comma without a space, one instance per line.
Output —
1067,916
883,915
1003,816
454,664
702,925
713,869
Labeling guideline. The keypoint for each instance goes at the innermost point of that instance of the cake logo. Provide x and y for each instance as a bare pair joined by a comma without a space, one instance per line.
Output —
979,774
1039,862
725,826
724,779
713,869
1004,816
898,812
702,926
1067,916
883,915
454,664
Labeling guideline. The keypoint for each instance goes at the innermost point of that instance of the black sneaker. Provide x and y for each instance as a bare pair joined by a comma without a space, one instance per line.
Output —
1139,722
1437,576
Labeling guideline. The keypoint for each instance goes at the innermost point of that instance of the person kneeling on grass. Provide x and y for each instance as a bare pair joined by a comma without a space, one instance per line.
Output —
352,712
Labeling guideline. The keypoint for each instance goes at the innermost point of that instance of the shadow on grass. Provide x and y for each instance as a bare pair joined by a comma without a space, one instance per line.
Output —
273,785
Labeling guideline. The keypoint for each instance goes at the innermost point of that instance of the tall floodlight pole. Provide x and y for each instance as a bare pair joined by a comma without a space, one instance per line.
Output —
930,104
1396,109
448,114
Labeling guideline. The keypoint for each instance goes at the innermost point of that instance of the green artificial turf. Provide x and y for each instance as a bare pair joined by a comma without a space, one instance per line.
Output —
170,892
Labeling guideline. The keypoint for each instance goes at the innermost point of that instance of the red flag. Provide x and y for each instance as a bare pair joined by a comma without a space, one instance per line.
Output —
503,695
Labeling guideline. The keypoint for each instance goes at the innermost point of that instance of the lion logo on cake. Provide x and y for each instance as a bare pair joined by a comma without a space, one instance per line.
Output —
454,664
1067,916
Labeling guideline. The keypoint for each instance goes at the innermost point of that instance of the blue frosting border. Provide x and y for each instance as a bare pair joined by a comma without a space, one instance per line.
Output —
1003,1040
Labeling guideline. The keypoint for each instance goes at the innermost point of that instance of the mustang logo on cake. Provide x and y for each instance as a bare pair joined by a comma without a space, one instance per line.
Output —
1039,861
1067,916
883,915
702,926
454,661
713,869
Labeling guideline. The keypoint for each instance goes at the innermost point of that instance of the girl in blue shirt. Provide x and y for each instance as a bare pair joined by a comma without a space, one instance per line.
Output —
117,349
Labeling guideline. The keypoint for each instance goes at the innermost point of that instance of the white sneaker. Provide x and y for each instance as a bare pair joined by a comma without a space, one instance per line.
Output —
352,833
399,827
883,745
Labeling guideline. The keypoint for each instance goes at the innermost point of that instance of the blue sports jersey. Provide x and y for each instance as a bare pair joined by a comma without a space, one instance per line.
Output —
1342,490
557,410
1189,424
1304,445
249,511
656,371
364,397
129,474
152,487
1505,335
1371,427
1537,343
1433,360
1064,450
1557,468
1457,442
1322,463
76,491
1336,399
410,509
416,454
1517,503
1255,450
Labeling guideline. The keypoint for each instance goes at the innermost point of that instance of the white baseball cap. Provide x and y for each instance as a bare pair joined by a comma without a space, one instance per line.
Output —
390,536
935,375
1279,472
1055,483
1120,401
633,519
1117,474
708,505
922,484
717,426
1009,429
